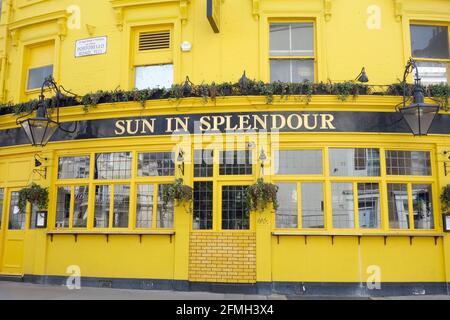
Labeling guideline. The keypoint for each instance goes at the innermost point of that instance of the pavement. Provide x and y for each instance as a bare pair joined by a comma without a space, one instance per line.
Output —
27,291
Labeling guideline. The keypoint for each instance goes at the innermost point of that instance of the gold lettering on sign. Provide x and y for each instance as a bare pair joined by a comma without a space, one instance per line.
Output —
327,122
120,127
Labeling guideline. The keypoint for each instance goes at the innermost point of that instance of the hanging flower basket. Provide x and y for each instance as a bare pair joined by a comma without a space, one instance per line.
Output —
33,194
176,192
260,194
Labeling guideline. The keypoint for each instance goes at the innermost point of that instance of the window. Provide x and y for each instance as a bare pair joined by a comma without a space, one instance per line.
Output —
16,216
355,162
37,76
102,206
203,205
342,205
430,48
369,205
34,211
287,212
80,210
164,218
235,214
156,164
150,214
121,205
38,64
2,197
292,53
144,209
113,165
298,162
405,163
153,59
158,76
422,206
63,207
235,163
398,206
73,167
203,190
312,205
203,163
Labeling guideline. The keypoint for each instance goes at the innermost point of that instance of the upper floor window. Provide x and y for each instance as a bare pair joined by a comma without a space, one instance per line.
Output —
38,64
430,48
292,53
153,61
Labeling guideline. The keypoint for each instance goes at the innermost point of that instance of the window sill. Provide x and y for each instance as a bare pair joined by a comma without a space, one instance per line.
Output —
107,234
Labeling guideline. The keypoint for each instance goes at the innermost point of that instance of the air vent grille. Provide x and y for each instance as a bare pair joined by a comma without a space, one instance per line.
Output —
154,40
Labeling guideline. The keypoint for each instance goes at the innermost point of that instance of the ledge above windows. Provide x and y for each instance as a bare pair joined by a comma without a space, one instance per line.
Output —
120,6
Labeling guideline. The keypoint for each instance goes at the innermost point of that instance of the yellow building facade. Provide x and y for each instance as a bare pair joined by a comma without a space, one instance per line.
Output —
359,209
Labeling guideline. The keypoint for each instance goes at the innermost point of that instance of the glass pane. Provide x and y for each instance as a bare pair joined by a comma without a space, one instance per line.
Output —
280,39
160,76
113,165
291,70
63,207
73,167
298,162
422,206
156,164
80,210
101,211
37,76
415,163
312,205
235,162
16,217
203,163
433,72
343,208
287,212
355,162
302,39
34,211
280,70
302,70
164,219
292,39
398,206
144,209
429,42
203,206
235,214
369,205
121,206
2,197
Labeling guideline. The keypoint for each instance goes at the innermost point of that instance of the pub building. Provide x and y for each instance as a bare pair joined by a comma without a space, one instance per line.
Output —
108,104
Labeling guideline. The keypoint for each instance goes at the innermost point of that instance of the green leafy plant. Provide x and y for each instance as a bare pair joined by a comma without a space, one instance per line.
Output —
304,90
260,194
445,199
33,194
176,192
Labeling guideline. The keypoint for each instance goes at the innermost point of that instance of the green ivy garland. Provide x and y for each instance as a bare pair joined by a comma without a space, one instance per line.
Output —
176,191
445,199
260,194
33,194
306,89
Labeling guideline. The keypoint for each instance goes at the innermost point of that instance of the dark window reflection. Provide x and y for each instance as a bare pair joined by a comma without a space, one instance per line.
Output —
235,214
429,42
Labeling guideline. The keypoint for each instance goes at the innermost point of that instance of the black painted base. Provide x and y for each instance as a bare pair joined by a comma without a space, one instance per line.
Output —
265,288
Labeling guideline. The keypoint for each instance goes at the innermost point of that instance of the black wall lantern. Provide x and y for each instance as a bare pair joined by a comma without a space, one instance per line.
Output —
418,115
41,128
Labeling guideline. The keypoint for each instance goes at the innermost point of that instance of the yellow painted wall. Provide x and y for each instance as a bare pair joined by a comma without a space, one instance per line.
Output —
344,44
346,39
